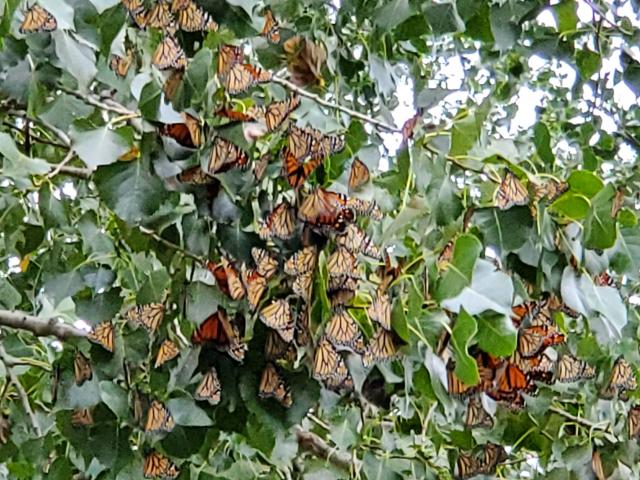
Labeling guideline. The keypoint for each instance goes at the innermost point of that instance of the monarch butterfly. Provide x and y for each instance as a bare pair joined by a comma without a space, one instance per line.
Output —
192,18
280,223
81,369
272,385
455,386
603,279
234,282
476,415
209,388
570,369
173,85
324,209
103,334
366,208
303,286
271,29
158,418
120,65
355,240
277,315
37,19
342,263
298,171
633,421
157,465
266,264
169,54
409,126
136,11
277,112
303,261
622,379
539,367
304,61
382,347
511,382
177,5
225,156
467,465
82,417
341,297
218,330
445,256
168,351
533,339
243,76
524,312
550,190
326,359
343,331
188,134
228,56
260,166
277,349
492,455
340,379
159,16
511,192
150,316
337,283
255,285
380,310
195,176
238,116
358,175
302,334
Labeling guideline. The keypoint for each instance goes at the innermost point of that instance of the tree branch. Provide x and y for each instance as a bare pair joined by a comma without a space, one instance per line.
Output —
109,107
167,243
39,326
35,138
79,172
55,130
62,164
315,445
4,357
584,422
361,116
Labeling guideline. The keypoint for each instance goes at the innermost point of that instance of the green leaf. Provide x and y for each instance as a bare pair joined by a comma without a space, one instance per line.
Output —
585,183
392,14
588,62
59,287
78,59
567,15
496,334
17,166
466,132
154,288
571,205
462,334
130,189
458,274
443,18
599,226
542,140
627,218
506,230
10,298
185,412
625,255
102,5
202,301
101,146
115,397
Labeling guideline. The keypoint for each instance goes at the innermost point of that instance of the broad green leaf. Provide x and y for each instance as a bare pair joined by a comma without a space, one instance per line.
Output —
154,288
78,59
392,13
458,274
599,226
10,298
202,301
101,146
566,15
185,412
627,218
496,334
506,230
17,166
466,132
462,335
542,140
625,253
115,397
443,18
571,205
585,183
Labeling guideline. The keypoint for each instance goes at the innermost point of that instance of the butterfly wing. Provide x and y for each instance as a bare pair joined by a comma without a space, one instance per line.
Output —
343,331
169,54
273,385
82,369
37,19
209,389
168,351
511,192
358,175
103,334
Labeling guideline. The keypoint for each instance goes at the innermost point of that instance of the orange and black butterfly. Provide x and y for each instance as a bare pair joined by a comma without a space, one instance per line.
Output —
303,286
303,261
382,347
228,56
329,366
224,156
492,455
280,223
342,331
532,340
570,369
159,418
220,274
296,170
136,11
445,256
168,351
160,16
120,65
356,241
157,465
192,18
467,466
380,310
277,349
219,331
209,389
82,417
188,134
255,286
326,210
342,263
266,264
510,192
81,369
368,208
233,280
302,333
195,176
243,76
622,379
633,421
273,385
539,367
169,54
103,334
358,175
457,387
277,112
150,316
277,315
37,19
549,190
511,383
410,125
271,29
476,415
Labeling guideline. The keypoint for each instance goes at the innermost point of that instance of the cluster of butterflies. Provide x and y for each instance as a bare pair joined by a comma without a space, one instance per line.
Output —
511,192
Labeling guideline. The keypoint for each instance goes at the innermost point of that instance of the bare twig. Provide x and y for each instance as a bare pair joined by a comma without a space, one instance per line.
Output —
312,443
4,357
321,101
53,129
39,326
167,243
62,164
596,9
110,106
584,422
35,138
79,172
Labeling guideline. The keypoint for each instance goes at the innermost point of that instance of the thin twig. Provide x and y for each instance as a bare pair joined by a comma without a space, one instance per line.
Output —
107,106
62,164
596,9
167,243
584,422
40,327
62,136
361,116
312,443
79,172
4,357
35,138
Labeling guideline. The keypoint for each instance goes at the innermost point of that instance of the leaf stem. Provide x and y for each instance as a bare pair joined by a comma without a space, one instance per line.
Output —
172,245
4,357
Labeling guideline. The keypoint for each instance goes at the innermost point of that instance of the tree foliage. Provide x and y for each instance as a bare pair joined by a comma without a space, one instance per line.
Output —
462,299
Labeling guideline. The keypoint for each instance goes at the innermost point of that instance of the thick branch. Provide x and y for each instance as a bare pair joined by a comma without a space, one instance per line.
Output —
361,116
312,443
39,326
172,245
24,398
